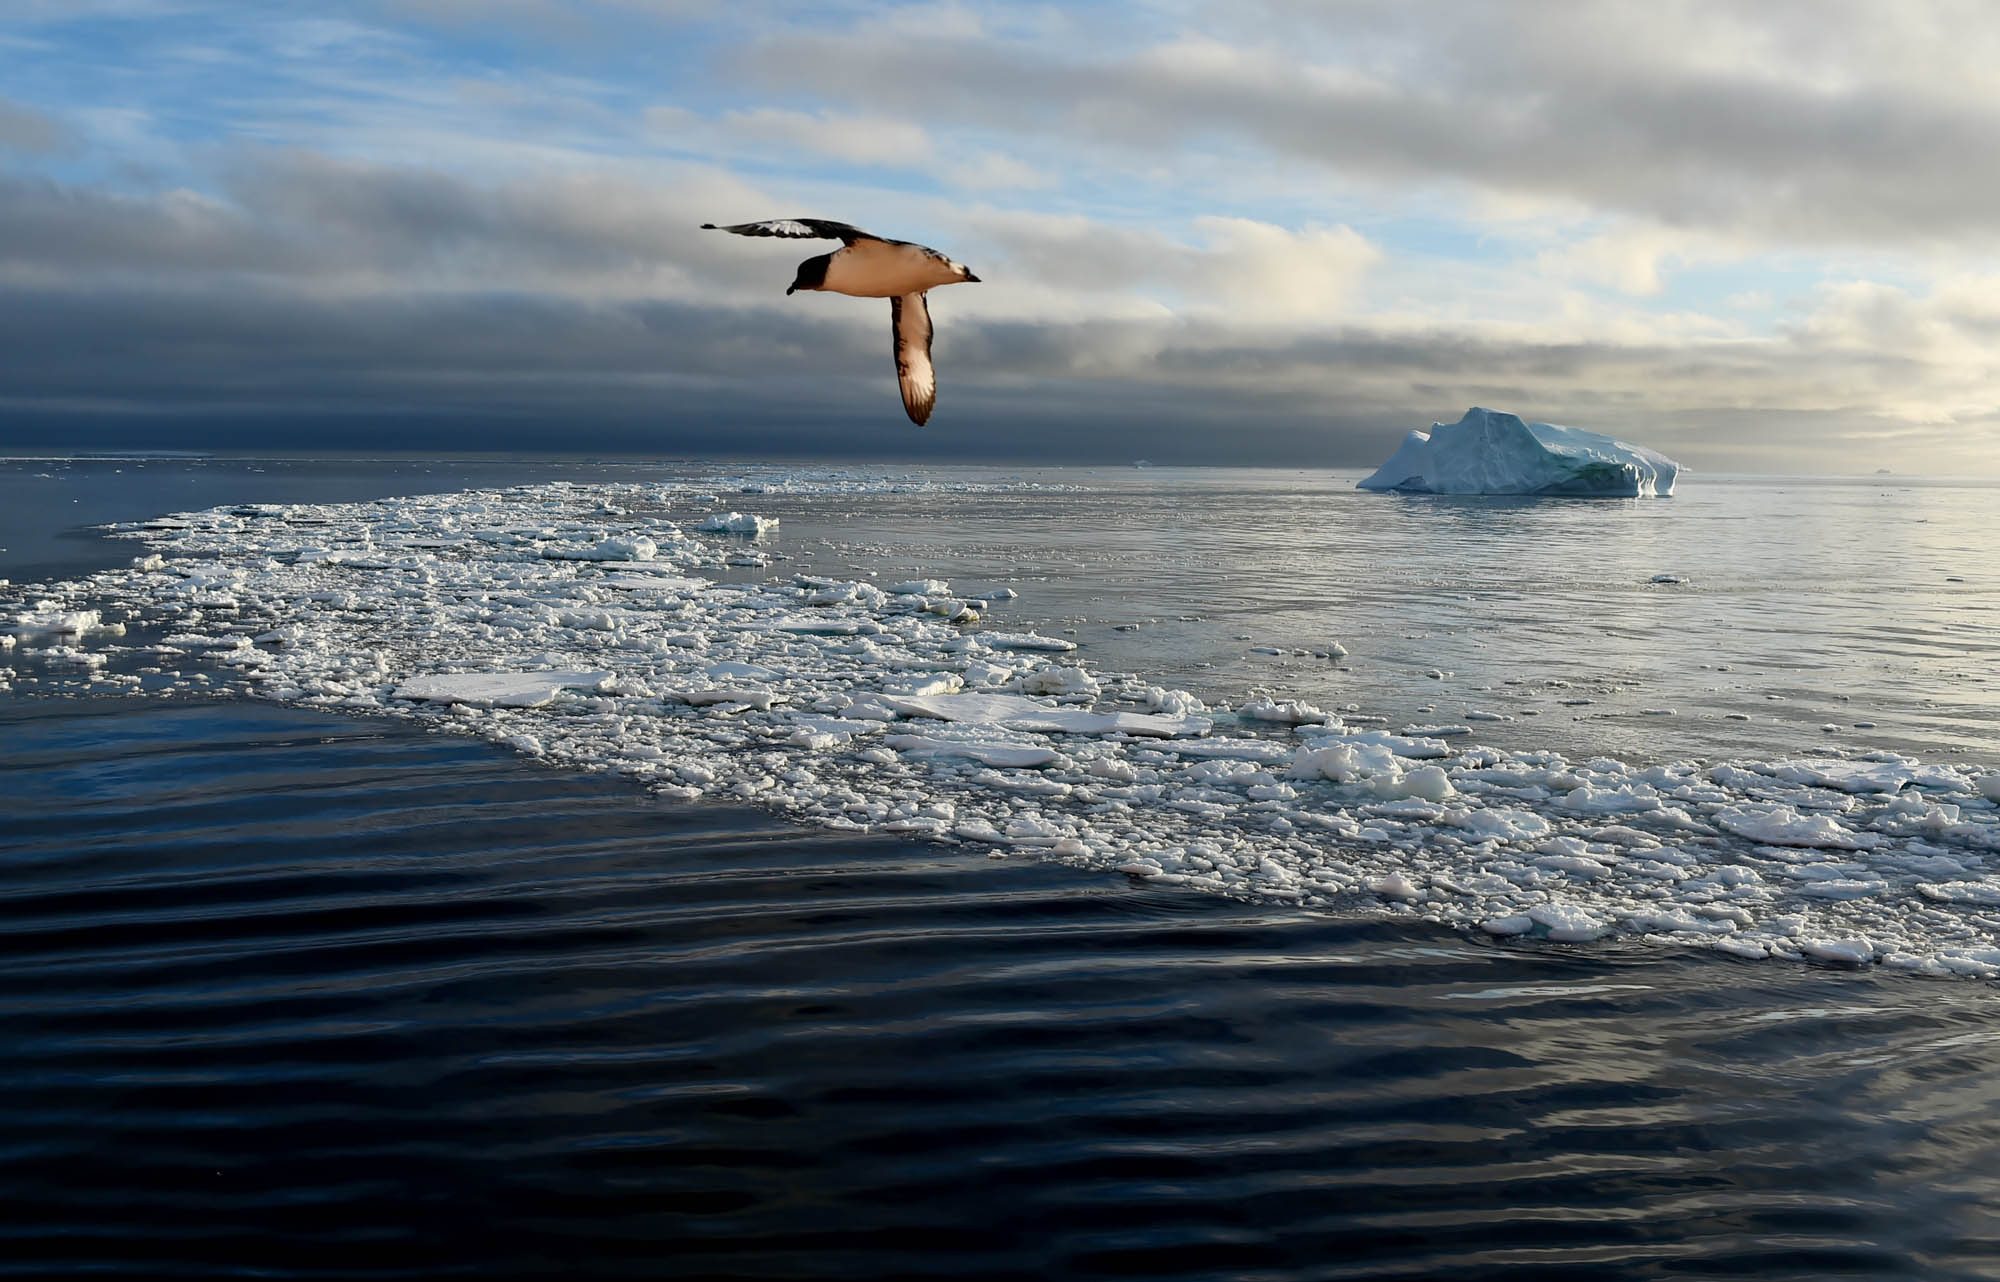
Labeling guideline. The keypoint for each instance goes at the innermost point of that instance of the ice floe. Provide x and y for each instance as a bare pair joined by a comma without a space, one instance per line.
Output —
1492,452
1019,713
496,689
738,523
1027,641
582,625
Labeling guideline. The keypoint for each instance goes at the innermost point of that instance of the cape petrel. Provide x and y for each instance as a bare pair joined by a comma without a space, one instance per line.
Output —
867,266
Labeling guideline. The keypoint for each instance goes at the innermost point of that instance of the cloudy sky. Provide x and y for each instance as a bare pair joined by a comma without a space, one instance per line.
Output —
1756,234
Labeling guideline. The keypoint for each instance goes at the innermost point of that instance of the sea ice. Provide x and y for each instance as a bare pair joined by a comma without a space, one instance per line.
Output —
1492,452
1018,713
1025,641
497,689
60,623
1290,712
738,523
634,548
1781,825
678,585
990,752
885,715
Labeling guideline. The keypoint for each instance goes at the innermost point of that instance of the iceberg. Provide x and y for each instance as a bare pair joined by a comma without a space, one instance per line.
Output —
1493,452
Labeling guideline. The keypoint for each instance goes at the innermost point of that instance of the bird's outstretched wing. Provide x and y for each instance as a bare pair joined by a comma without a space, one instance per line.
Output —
798,229
910,319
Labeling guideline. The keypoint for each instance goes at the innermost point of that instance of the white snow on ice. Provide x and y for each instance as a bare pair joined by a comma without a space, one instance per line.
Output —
575,623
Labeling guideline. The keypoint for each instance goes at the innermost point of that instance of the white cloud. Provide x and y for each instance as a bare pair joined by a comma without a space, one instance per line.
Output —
1270,274
995,171
1254,273
860,140
1628,259
1943,346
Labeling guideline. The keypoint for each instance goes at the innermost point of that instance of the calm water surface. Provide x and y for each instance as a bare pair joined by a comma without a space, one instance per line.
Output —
302,996
1802,603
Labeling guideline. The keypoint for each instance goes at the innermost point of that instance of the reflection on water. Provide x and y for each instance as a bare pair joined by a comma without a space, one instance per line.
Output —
1797,604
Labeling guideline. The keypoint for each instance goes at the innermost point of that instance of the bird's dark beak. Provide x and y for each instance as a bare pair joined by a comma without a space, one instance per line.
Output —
970,279
789,289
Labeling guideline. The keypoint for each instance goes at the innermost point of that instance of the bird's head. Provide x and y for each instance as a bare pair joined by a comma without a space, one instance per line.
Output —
812,274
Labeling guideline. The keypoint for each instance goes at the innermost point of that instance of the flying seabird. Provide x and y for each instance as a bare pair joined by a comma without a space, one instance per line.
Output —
868,266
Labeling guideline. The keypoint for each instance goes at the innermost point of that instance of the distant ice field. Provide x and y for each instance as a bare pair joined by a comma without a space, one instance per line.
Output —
1758,717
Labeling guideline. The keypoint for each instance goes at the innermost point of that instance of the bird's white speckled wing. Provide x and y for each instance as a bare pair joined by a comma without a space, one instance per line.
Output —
798,229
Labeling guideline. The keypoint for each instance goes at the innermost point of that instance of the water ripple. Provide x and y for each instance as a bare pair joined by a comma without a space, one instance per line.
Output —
305,997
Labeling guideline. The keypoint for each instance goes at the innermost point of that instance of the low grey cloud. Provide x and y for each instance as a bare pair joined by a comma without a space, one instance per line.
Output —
24,129
355,225
568,373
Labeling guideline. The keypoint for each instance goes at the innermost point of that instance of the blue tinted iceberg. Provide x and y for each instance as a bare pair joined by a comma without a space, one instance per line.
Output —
1490,452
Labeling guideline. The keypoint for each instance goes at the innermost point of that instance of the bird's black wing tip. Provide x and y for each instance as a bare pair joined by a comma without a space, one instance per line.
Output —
710,227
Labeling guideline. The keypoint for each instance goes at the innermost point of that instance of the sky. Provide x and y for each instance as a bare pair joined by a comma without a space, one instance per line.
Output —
1758,235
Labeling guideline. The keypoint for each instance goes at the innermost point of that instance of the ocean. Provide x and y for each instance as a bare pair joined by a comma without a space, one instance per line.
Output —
477,867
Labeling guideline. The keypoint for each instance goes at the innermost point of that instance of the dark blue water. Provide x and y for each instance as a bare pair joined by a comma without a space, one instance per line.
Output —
289,995
297,996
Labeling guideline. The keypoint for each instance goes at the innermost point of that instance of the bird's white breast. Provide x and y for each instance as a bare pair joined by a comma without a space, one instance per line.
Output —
875,269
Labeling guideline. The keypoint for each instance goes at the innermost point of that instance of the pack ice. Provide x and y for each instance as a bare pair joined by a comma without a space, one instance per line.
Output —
1493,452
584,626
